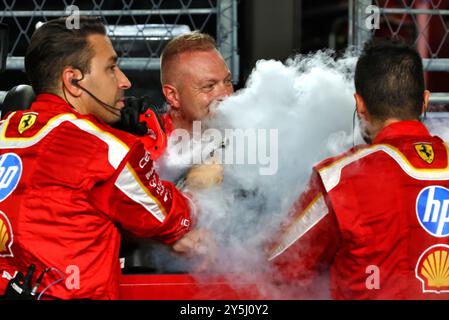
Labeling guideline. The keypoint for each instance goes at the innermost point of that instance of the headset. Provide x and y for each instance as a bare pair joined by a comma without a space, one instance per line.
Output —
146,123
353,127
108,107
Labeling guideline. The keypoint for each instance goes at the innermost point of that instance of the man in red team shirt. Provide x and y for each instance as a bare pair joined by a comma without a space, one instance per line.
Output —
375,219
70,182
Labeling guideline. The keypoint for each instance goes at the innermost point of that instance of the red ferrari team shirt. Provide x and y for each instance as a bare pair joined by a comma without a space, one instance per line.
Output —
68,185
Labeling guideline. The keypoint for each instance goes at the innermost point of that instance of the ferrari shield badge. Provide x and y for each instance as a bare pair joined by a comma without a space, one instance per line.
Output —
425,152
26,122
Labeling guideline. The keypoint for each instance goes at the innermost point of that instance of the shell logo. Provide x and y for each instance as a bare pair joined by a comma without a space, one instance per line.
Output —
432,269
6,236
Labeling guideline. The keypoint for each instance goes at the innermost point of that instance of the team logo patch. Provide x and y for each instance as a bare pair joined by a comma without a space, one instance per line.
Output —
26,122
425,152
432,206
10,172
432,269
6,236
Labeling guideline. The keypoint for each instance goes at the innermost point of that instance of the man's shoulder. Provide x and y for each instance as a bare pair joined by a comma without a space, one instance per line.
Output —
118,142
345,156
126,137
28,123
29,128
330,169
359,153
412,162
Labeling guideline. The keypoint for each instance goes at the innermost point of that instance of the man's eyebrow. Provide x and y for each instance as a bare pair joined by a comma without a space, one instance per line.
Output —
216,79
113,59
210,80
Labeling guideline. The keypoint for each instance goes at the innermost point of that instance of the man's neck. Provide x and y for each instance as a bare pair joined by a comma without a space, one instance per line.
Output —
379,126
180,122
69,99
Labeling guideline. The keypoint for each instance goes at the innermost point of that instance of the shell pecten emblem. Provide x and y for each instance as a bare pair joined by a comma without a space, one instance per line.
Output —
6,236
432,269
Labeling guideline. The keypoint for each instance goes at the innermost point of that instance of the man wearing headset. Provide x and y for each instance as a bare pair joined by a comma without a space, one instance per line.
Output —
373,222
70,182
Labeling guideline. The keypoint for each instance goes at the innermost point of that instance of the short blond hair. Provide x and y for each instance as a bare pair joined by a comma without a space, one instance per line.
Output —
187,42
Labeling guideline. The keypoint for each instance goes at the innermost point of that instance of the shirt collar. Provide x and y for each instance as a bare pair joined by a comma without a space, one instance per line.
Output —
51,102
167,121
401,129
48,102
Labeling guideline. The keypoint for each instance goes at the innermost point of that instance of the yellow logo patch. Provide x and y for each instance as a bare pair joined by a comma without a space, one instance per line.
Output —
26,122
6,236
425,152
432,269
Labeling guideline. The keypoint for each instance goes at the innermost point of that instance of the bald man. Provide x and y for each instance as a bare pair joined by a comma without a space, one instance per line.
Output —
193,75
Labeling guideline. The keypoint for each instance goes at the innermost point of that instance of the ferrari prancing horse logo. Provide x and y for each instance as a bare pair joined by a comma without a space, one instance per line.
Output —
425,152
26,122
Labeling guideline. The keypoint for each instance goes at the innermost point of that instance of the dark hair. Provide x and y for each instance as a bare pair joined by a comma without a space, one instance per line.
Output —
54,46
389,76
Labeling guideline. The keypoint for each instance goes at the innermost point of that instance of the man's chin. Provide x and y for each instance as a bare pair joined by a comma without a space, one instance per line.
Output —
112,120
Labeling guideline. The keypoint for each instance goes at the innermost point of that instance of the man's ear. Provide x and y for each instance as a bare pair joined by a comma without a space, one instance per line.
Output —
68,75
361,107
425,104
171,95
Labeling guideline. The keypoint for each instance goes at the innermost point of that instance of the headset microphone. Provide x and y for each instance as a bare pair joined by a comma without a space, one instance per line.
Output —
111,108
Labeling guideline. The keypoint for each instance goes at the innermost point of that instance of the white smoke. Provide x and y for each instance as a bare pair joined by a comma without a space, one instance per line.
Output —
436,122
309,100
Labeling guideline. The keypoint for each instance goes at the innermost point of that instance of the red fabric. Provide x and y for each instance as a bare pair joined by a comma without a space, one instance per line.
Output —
168,123
82,181
189,287
369,218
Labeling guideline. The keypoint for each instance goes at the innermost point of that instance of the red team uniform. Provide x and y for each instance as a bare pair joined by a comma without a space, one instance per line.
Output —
68,184
376,211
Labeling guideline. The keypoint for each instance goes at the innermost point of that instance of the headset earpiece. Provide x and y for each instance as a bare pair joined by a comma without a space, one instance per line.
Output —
74,81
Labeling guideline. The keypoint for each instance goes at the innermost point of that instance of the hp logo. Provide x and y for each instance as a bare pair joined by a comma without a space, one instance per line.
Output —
10,172
432,206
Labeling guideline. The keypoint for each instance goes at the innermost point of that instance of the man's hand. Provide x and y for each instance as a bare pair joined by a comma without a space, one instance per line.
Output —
198,244
204,176
130,115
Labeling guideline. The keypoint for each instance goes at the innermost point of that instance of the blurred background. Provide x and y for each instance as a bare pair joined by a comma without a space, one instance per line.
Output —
246,31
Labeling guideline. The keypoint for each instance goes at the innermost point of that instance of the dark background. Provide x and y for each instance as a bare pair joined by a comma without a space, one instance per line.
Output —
267,29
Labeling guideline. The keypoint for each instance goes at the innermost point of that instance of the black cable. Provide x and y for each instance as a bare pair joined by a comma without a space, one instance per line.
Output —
75,83
111,109
353,127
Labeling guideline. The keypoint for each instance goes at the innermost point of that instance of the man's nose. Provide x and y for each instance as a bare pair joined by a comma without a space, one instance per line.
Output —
123,81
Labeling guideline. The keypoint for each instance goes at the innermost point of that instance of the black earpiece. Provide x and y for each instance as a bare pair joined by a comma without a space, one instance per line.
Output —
74,81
